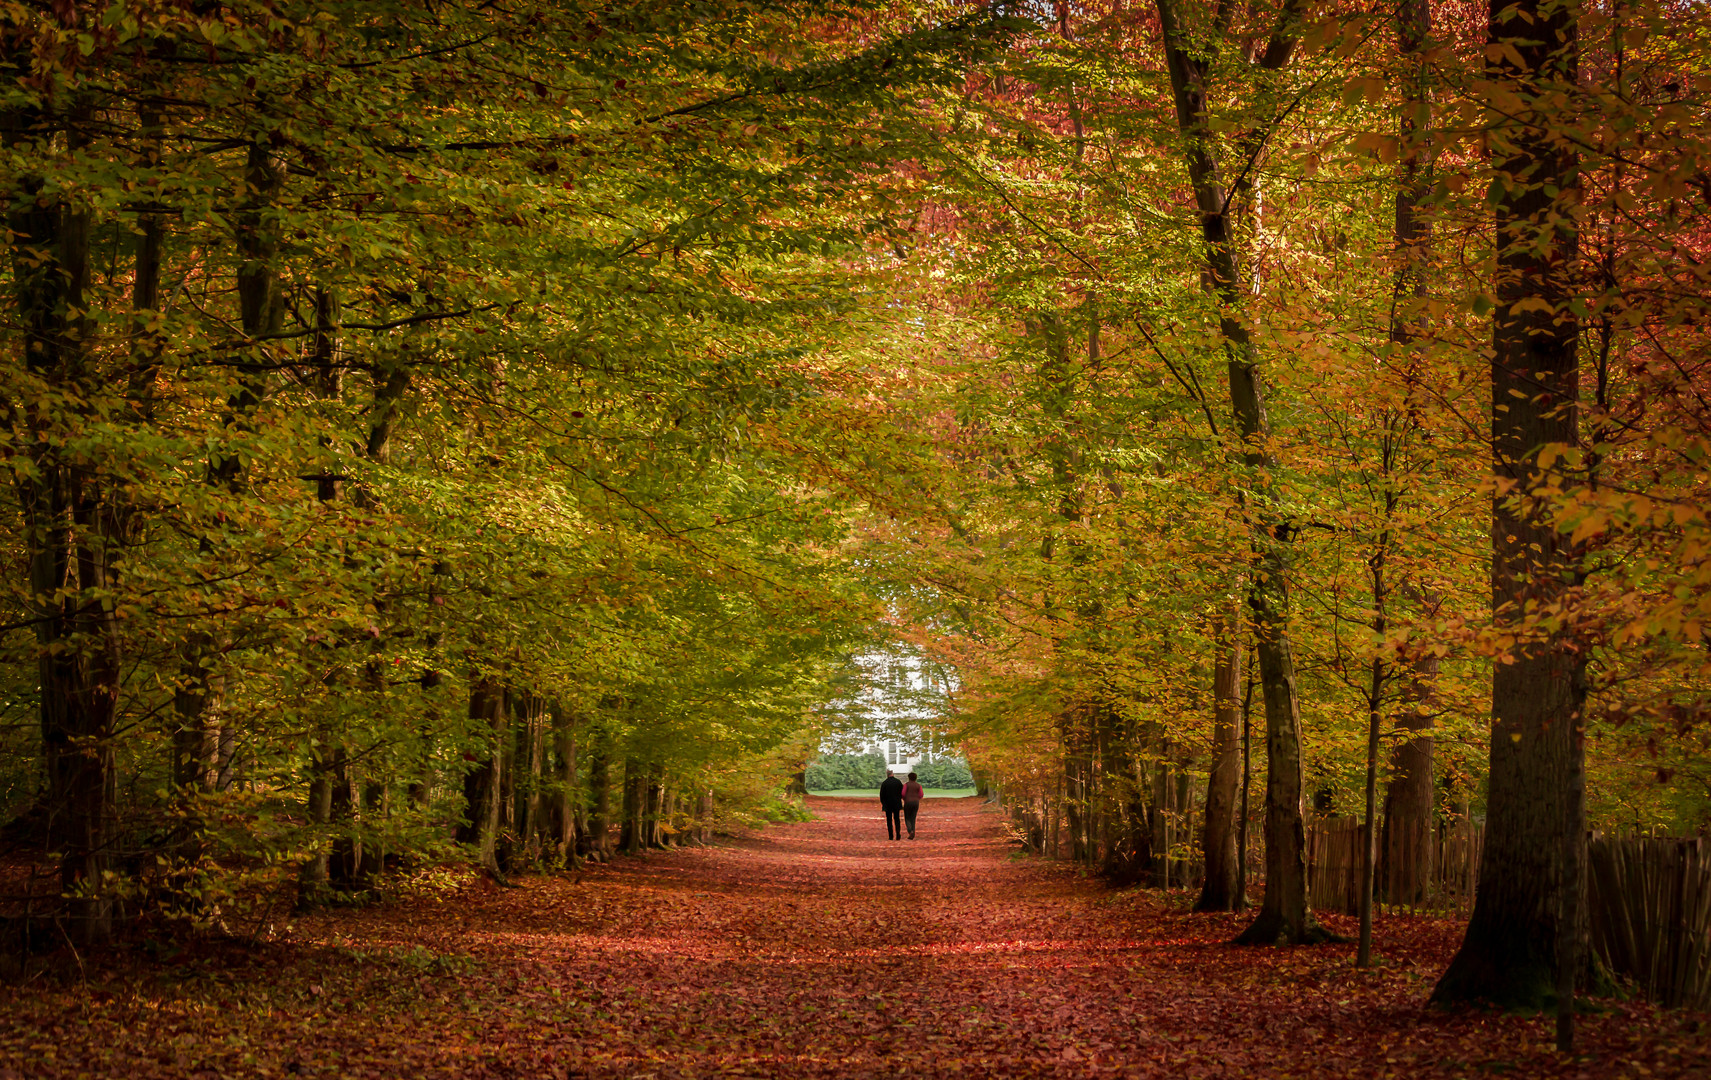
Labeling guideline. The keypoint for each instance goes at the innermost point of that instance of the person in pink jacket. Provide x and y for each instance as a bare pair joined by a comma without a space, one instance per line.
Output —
912,796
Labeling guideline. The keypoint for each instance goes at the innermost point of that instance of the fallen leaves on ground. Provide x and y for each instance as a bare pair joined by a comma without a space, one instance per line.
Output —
809,950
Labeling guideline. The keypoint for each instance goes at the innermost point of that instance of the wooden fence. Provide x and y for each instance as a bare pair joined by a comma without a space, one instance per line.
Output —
1649,898
1651,914
1440,878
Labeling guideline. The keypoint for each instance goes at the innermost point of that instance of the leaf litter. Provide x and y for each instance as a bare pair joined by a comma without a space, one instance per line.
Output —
811,950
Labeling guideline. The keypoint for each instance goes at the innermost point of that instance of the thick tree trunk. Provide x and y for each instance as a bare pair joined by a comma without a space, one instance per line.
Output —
528,754
631,833
568,793
1510,953
1283,916
600,799
317,871
509,845
1244,815
1125,809
656,817
1409,840
704,816
1218,839
67,549
481,784
1369,819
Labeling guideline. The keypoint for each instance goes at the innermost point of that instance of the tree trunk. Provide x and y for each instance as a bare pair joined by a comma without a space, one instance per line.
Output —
529,756
346,867
1075,768
1218,840
630,833
481,784
1409,840
568,801
653,807
1369,819
260,312
600,798
1160,817
1284,917
1125,817
509,850
1510,954
67,551
1244,815
317,872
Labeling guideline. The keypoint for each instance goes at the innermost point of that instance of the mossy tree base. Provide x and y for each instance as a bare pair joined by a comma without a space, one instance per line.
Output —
1513,970
1274,928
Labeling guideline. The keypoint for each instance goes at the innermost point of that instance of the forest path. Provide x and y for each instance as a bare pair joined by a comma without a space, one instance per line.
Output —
814,949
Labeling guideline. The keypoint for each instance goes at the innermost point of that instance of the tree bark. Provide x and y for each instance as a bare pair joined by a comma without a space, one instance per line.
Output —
1369,820
630,833
481,784
600,799
656,818
568,799
1160,815
1409,839
346,868
1218,838
1244,815
1509,955
1128,850
1075,770
531,762
67,549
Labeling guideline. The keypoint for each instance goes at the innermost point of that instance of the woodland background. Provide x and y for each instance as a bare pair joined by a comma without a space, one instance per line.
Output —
493,431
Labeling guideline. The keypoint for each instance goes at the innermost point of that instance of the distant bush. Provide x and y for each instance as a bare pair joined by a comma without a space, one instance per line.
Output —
829,772
945,773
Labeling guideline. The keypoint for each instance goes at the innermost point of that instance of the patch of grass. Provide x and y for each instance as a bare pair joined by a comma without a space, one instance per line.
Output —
873,793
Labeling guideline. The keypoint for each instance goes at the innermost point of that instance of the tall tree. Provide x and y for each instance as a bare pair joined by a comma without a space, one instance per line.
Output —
1189,54
1510,952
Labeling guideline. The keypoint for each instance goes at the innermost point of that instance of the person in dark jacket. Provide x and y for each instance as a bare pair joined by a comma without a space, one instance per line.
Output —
891,801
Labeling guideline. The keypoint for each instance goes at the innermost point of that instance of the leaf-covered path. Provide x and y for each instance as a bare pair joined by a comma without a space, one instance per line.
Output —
818,949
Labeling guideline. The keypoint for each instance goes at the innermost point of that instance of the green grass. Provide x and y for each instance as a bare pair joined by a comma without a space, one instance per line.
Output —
873,793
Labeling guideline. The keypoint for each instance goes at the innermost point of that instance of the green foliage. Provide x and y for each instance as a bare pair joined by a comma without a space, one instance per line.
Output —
946,773
834,772
830,772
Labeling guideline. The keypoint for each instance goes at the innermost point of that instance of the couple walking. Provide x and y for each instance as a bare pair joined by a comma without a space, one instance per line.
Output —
896,797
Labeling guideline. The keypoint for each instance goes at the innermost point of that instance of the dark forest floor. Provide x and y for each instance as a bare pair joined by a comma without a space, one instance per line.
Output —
818,949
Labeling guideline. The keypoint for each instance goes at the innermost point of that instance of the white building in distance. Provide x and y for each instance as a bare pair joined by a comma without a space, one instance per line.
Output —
893,709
